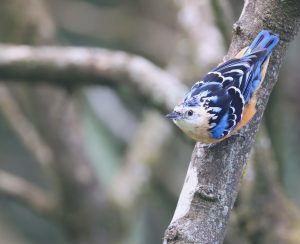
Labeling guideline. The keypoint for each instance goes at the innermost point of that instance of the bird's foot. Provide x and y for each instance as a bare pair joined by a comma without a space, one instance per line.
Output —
208,146
239,135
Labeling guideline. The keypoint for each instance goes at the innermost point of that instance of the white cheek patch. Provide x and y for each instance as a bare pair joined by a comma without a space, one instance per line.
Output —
196,126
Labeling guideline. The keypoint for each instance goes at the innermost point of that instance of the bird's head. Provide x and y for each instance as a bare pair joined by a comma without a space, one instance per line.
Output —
193,120
182,112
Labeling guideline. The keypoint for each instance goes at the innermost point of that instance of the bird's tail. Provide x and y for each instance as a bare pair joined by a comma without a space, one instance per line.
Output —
264,40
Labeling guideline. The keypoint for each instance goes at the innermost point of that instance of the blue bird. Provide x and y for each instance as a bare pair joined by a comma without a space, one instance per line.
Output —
224,100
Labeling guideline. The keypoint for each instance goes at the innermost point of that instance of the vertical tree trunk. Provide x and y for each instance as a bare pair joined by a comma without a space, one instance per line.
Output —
213,177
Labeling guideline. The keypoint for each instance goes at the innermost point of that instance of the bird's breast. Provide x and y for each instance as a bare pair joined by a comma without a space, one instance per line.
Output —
200,134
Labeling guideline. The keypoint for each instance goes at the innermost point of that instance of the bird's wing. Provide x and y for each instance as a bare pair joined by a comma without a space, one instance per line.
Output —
243,73
229,114
195,90
213,77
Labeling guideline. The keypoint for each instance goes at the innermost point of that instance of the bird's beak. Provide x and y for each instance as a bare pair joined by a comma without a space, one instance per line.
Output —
173,115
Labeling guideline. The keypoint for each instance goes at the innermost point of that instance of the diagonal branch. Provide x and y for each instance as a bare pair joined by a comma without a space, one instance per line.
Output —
75,66
24,129
29,135
83,206
201,44
214,174
33,197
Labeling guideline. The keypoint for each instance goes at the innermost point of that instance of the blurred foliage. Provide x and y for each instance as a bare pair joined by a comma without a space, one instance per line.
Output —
283,116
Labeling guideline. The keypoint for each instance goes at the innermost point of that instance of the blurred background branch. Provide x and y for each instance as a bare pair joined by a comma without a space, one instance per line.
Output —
82,66
26,132
53,114
27,193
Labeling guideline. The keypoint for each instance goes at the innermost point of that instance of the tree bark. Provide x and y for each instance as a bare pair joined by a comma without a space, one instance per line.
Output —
256,216
213,177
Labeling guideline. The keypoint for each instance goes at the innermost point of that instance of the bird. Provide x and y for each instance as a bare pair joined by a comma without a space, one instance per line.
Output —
224,100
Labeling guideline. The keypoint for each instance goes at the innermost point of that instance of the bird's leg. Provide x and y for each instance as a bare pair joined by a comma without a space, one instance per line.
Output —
208,146
239,135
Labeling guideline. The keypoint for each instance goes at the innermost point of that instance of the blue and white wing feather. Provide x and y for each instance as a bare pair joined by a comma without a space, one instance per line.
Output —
226,90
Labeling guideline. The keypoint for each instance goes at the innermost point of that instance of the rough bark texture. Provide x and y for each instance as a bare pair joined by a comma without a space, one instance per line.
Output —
213,177
263,213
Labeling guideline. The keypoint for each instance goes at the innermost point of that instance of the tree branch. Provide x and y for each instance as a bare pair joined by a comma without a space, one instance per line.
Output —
75,66
29,136
33,197
24,129
83,206
201,44
213,177
144,152
256,215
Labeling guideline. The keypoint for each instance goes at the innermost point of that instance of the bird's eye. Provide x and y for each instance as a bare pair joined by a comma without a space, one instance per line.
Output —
190,113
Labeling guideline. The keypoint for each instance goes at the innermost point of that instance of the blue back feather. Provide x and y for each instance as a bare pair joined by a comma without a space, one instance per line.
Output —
218,130
230,86
264,40
262,46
